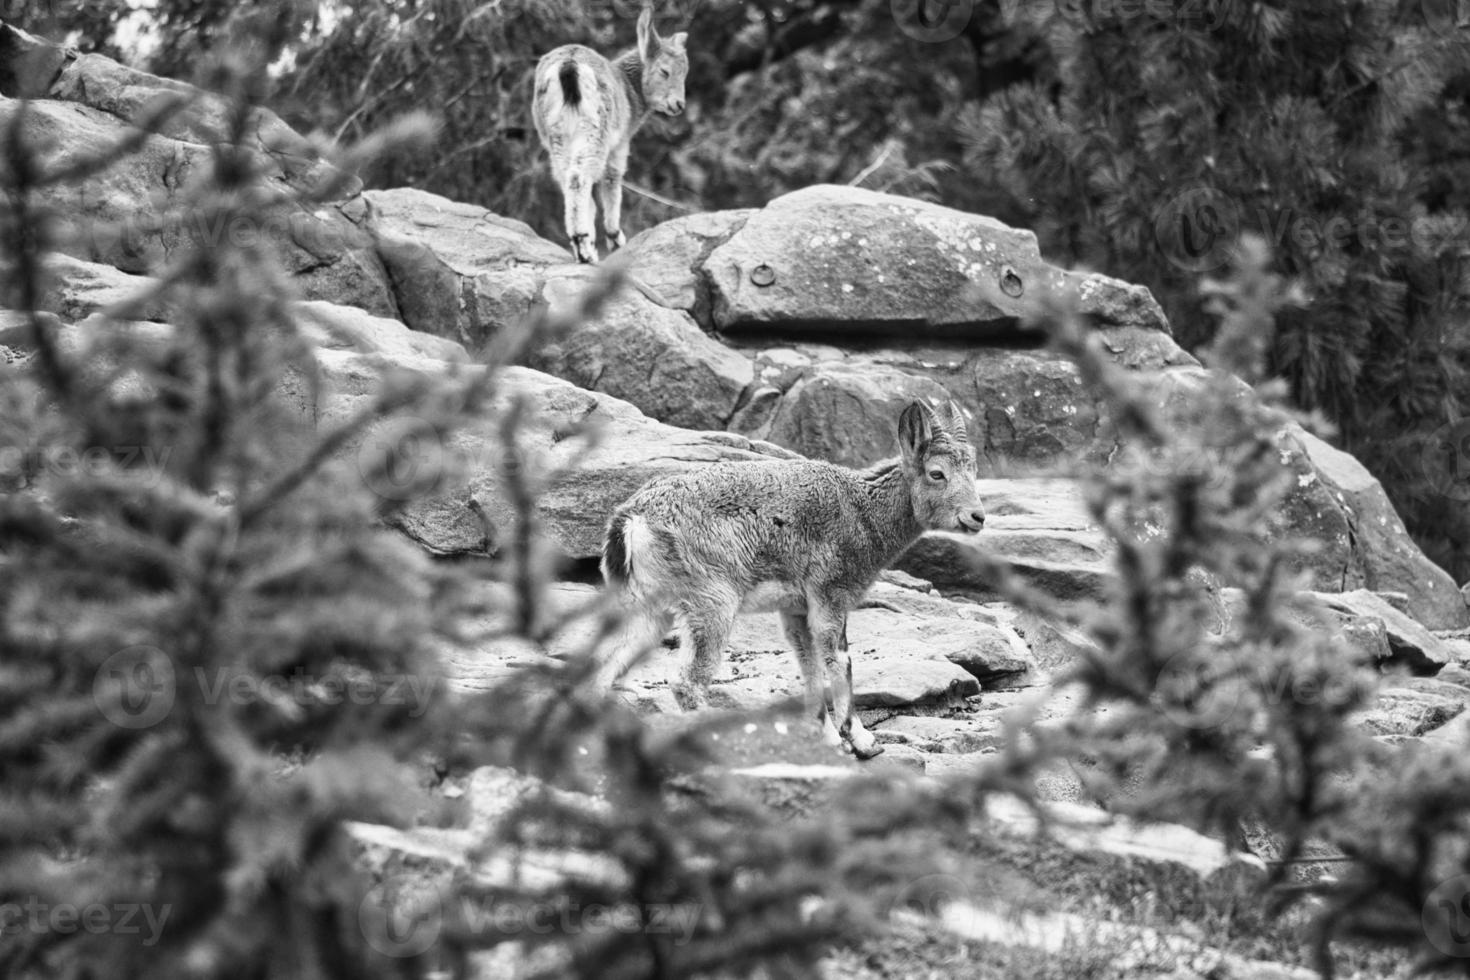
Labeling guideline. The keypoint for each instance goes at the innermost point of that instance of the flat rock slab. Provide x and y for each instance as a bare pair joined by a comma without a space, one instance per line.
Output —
975,733
898,659
986,651
886,681
1412,644
759,671
1039,527
1413,706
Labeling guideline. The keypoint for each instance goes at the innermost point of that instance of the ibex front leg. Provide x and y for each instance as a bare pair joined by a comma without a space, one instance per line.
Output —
813,673
577,192
829,636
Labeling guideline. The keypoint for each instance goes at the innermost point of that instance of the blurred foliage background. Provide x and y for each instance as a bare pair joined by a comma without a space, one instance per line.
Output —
1337,130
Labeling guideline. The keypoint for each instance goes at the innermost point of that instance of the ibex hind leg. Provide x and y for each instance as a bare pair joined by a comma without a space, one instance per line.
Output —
706,628
829,636
640,636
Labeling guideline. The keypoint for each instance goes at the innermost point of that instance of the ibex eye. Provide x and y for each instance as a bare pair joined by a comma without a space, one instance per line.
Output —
936,475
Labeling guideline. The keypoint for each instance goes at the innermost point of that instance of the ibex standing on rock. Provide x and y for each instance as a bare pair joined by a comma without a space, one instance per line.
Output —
802,537
588,108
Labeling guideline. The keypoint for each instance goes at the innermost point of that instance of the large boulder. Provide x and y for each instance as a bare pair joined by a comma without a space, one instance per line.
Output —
669,258
458,270
84,293
845,413
1335,505
132,95
35,68
849,262
1385,558
84,104
1410,643
130,215
658,359
28,64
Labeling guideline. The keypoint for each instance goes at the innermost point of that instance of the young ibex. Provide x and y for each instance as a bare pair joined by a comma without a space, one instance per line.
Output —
802,537
587,109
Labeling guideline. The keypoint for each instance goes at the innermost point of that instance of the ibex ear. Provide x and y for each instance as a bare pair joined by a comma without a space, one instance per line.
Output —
676,43
915,432
647,39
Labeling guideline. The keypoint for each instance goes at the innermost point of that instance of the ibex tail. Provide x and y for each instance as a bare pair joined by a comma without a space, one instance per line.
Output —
617,562
571,89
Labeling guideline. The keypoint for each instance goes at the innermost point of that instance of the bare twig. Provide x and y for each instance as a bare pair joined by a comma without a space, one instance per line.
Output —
645,192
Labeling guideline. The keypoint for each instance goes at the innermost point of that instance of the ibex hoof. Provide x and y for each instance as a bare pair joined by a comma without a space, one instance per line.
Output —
616,239
864,752
690,698
583,248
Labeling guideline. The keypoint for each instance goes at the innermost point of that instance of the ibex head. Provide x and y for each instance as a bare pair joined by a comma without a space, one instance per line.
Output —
665,65
939,463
